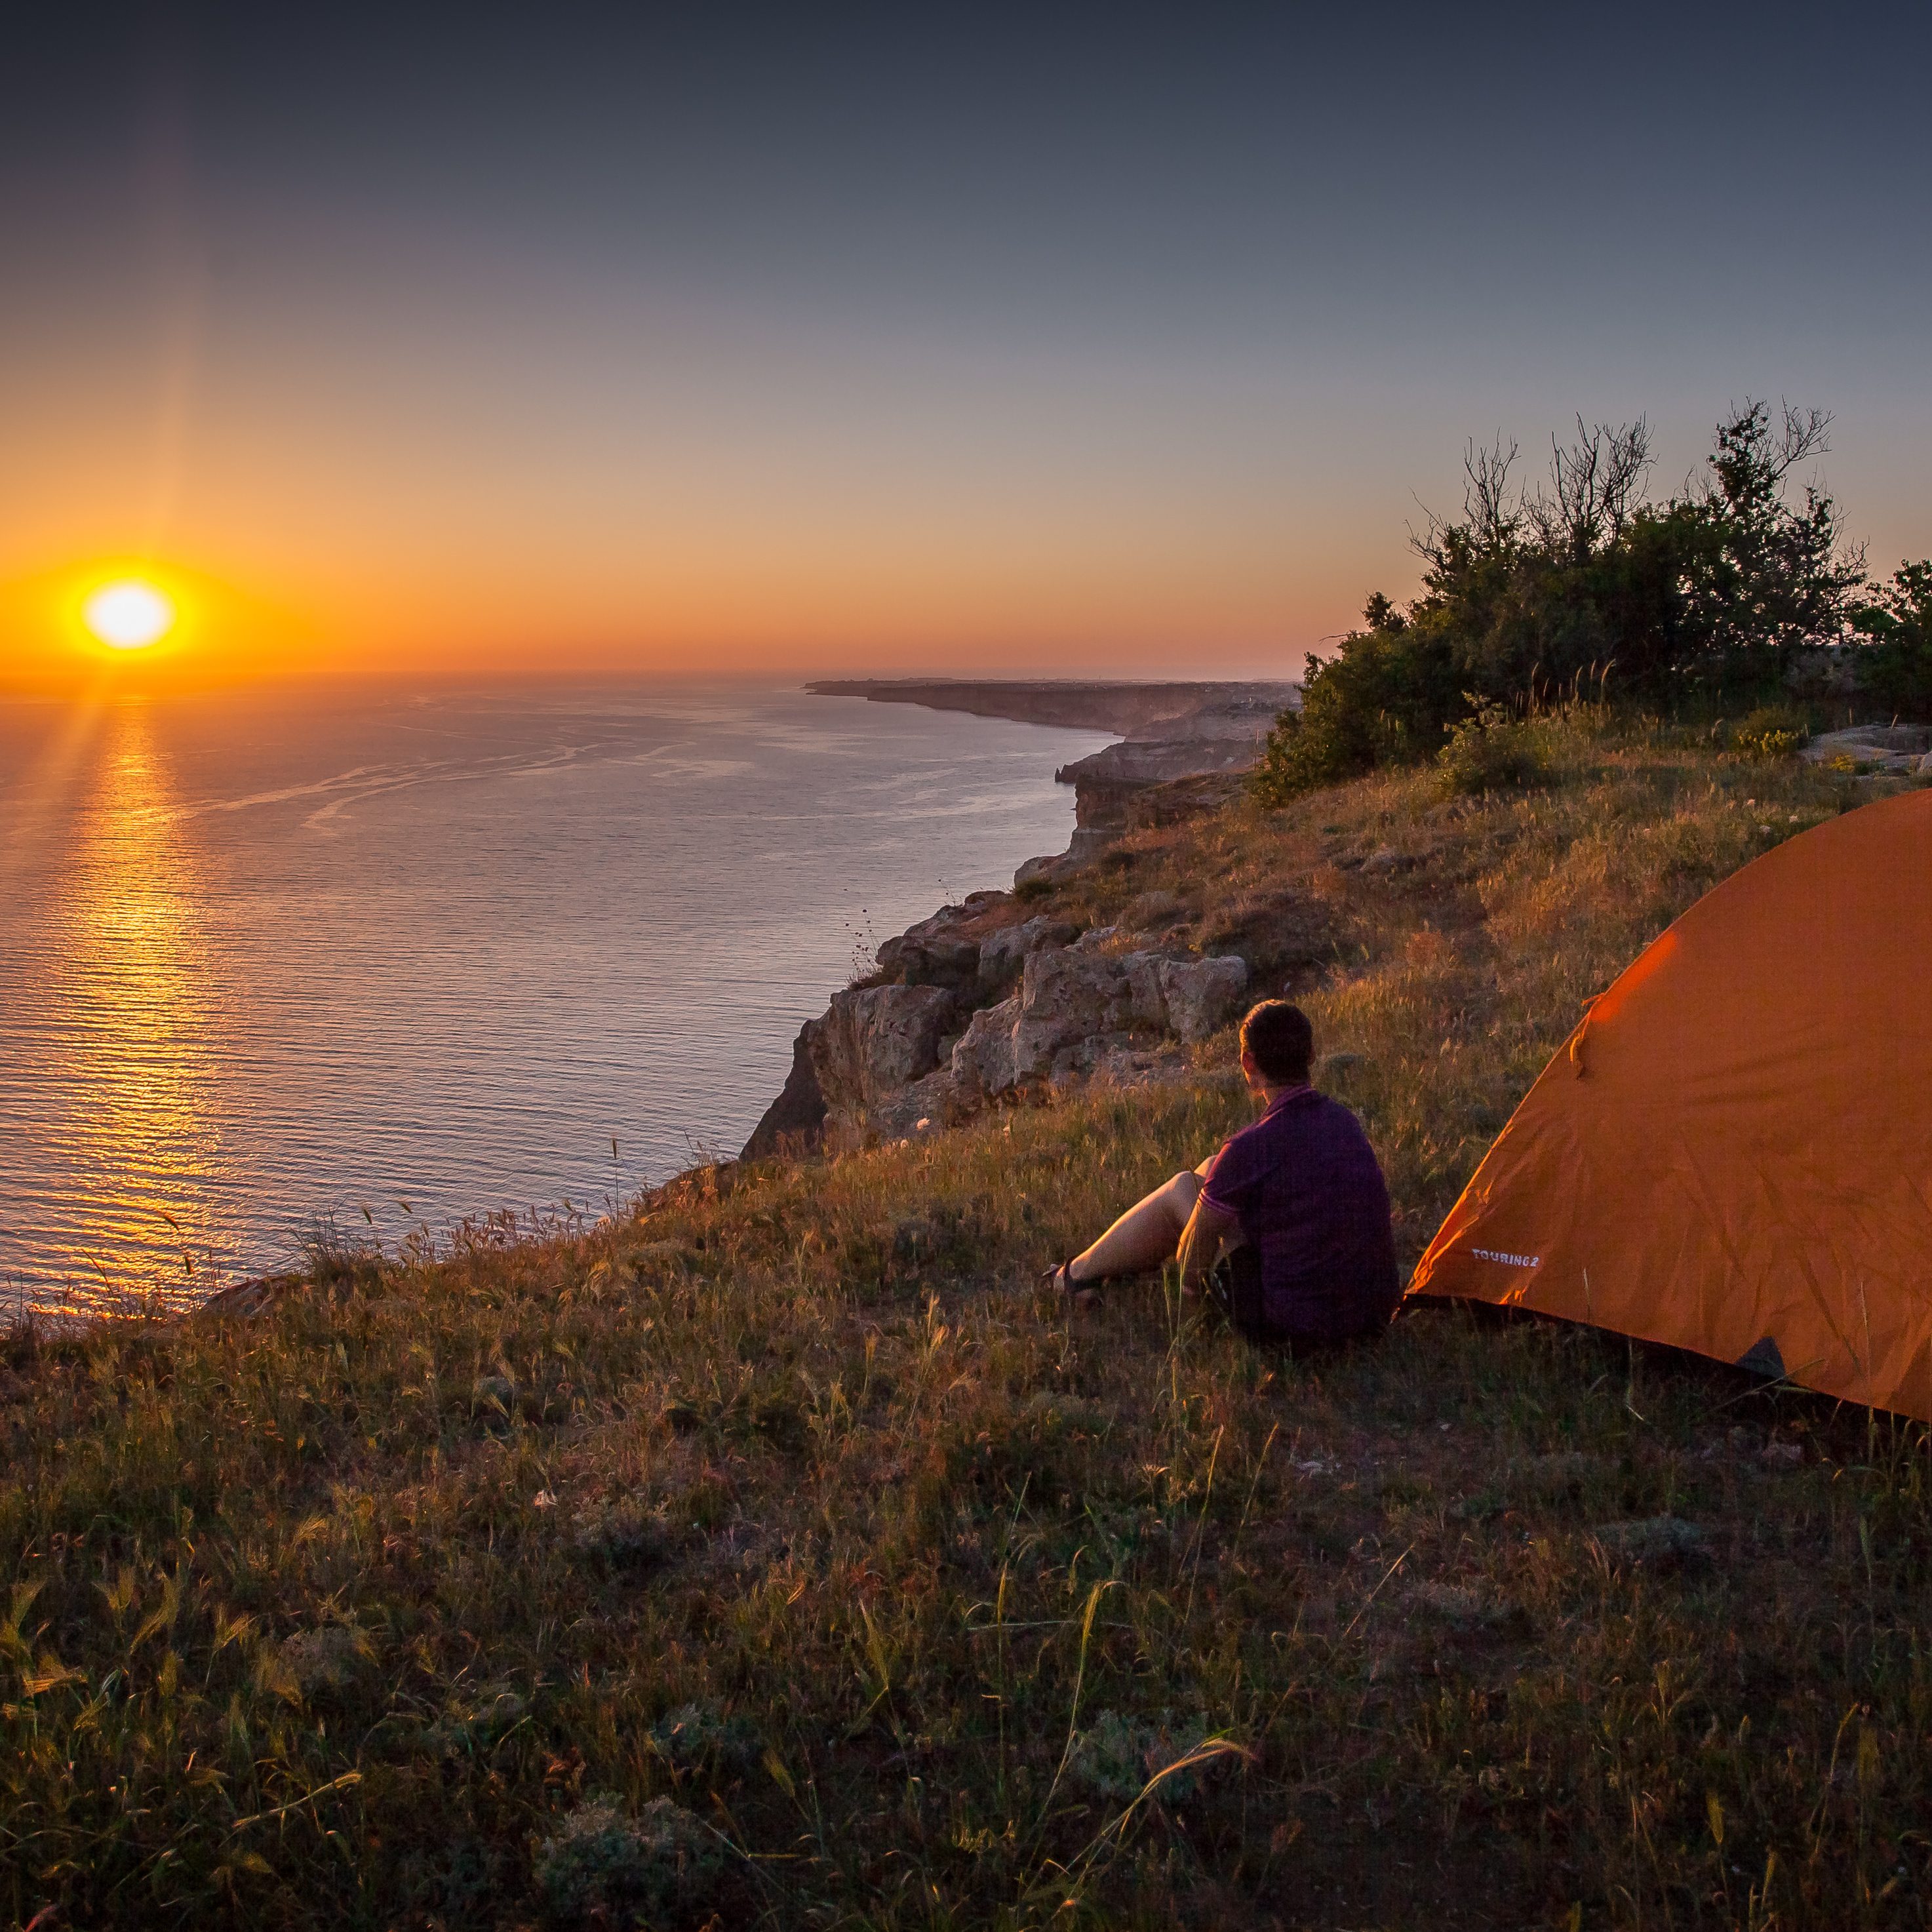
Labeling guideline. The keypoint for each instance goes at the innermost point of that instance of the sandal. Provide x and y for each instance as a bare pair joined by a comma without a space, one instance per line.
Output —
1060,1279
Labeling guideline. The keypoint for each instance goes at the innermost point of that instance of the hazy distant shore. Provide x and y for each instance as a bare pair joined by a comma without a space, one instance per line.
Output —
1134,710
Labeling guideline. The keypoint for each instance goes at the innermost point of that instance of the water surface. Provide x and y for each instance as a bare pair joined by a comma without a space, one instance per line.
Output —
399,958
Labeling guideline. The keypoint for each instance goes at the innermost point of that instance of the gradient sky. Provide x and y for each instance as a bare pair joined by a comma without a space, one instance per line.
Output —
1050,339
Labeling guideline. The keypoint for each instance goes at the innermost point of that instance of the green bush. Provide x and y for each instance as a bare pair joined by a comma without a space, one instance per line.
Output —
1770,733
1489,751
1383,699
607,1866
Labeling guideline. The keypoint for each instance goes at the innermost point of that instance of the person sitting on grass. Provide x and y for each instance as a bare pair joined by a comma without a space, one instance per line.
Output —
1297,1199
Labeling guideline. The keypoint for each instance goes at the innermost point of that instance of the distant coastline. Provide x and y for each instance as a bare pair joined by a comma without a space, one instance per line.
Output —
1163,710
1168,731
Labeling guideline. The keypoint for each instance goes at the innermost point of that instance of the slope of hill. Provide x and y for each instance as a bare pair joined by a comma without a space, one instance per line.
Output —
782,1555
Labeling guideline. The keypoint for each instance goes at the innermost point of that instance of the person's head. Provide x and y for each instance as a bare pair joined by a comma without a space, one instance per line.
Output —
1278,1043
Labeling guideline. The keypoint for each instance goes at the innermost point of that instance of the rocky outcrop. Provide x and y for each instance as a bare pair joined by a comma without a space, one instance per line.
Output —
1895,750
915,1054
1193,742
1200,996
874,1041
1070,997
1221,739
1003,954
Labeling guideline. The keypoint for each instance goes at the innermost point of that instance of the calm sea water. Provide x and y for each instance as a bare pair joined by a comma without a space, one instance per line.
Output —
400,957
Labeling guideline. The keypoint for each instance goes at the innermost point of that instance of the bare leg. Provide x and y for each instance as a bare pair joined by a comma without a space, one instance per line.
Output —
1146,1235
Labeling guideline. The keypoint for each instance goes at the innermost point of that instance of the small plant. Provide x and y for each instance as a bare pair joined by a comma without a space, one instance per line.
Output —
330,1658
621,1535
1116,1756
333,1256
1770,733
695,1738
864,938
660,1866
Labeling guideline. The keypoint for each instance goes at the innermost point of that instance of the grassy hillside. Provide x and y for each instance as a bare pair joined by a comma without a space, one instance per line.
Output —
782,1556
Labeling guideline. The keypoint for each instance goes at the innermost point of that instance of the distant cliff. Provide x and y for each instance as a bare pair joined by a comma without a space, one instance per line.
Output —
1171,732
1134,710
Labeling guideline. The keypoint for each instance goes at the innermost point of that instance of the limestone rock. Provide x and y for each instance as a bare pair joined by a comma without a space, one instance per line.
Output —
934,960
1155,909
1112,1060
933,1101
1076,1008
982,1057
875,1040
1200,995
1902,749
1067,996
1049,869
1002,954
1146,995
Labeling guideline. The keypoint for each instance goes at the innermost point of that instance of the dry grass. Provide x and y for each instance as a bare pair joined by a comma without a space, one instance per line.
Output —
797,1506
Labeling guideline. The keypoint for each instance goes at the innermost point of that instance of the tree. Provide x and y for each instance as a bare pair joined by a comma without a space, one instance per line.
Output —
1532,592
1763,580
1895,664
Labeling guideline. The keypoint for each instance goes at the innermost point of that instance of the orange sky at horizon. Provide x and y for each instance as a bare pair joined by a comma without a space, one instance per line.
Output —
813,618
548,554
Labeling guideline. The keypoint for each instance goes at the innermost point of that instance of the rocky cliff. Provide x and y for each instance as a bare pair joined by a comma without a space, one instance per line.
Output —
988,1000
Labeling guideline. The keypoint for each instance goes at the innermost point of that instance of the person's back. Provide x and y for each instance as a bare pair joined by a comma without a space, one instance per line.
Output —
1316,1260
1305,1186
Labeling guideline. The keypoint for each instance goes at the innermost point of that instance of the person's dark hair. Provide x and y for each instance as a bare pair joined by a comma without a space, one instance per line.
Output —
1283,1042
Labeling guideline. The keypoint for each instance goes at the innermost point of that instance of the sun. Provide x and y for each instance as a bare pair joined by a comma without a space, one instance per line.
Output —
129,615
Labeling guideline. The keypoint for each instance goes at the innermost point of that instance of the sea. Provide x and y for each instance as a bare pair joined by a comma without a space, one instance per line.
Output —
291,965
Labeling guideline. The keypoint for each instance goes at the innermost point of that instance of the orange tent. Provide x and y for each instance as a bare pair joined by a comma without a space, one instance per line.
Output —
1733,1152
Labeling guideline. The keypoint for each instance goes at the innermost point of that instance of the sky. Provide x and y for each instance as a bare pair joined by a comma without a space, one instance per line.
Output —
1053,340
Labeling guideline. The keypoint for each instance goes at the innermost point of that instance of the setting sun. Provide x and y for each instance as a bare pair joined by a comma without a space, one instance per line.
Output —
129,616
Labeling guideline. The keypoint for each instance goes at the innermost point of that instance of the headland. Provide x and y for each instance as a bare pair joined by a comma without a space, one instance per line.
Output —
979,1001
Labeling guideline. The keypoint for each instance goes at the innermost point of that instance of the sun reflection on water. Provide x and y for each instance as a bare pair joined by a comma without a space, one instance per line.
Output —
131,1012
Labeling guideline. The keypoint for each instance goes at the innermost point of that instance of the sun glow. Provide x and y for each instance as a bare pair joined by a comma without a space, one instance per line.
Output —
129,616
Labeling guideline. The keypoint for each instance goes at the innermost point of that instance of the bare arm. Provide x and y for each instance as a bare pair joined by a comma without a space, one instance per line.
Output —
1200,1242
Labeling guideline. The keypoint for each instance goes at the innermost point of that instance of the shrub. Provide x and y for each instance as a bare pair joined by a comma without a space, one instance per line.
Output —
1489,751
660,1866
1117,1756
694,1738
1383,699
1772,732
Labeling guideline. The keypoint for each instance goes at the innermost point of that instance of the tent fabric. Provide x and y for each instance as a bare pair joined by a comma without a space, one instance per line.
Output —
1733,1153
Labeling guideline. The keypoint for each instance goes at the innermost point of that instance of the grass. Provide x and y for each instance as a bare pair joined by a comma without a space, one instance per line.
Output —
779,1556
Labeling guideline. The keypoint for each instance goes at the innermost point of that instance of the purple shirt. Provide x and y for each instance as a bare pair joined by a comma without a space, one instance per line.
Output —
1305,1185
